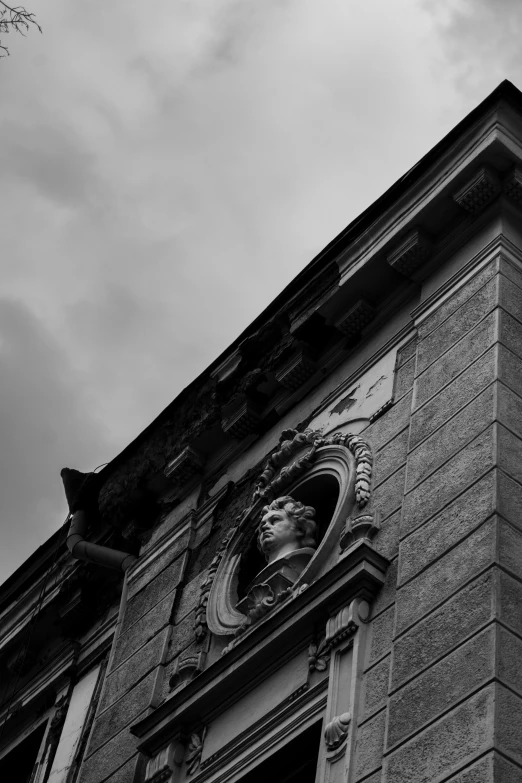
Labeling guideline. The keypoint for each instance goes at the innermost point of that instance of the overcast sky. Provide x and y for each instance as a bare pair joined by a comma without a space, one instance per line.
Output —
166,168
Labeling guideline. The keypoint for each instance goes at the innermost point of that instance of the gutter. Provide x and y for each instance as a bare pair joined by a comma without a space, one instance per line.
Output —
81,491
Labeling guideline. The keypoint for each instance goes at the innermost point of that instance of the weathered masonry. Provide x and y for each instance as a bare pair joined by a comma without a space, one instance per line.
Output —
309,566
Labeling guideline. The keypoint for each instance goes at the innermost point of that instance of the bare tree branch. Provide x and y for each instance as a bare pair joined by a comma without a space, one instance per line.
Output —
15,19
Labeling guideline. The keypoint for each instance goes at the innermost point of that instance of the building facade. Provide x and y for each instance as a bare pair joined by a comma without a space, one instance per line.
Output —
309,566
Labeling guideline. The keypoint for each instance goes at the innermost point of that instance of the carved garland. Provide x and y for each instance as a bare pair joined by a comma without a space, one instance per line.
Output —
270,485
292,441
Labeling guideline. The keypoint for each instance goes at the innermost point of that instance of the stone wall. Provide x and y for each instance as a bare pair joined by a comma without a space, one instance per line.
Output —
442,689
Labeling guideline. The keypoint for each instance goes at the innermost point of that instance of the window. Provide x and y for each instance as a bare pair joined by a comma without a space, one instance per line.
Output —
19,763
296,762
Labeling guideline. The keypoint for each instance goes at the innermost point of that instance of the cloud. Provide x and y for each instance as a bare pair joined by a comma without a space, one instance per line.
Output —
44,423
166,174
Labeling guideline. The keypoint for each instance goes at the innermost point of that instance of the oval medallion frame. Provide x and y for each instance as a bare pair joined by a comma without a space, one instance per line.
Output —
347,458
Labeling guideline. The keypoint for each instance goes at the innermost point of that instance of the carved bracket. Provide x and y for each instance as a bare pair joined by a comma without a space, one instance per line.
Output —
346,621
160,768
336,731
362,528
186,670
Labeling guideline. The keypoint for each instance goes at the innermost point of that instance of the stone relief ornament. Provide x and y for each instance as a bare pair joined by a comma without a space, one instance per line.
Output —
288,554
286,537
336,731
270,484
194,750
318,656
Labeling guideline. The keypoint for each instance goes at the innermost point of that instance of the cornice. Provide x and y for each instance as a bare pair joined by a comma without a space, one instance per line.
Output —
407,212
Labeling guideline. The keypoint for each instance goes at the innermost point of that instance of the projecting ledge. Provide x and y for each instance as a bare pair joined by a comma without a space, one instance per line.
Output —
361,573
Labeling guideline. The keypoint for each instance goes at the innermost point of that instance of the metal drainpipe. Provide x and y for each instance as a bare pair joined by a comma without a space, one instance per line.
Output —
94,553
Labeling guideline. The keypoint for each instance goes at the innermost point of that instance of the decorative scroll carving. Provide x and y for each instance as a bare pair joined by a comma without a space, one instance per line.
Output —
336,731
361,528
194,750
161,766
318,656
200,621
292,441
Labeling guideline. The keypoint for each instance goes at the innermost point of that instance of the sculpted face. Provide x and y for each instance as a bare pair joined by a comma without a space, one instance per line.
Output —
278,534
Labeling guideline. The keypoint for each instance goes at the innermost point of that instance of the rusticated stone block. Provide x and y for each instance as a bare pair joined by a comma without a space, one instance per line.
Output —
510,369
448,527
509,409
182,635
491,768
386,540
482,771
511,270
505,771
509,449
156,566
446,575
450,743
511,298
139,634
375,778
390,458
510,332
387,497
381,634
152,594
453,397
406,352
123,712
509,657
369,746
376,687
508,720
456,360
458,324
509,499
389,424
130,772
386,594
510,602
404,377
457,299
109,758
510,548
423,699
464,614
451,437
189,597
446,483
137,666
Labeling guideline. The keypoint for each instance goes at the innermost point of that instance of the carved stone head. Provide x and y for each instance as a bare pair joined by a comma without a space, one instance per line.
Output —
286,525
